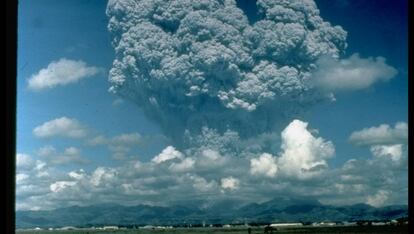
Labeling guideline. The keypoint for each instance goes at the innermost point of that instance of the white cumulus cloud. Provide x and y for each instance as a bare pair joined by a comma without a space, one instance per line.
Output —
351,74
127,139
378,199
382,134
264,165
63,127
209,158
230,183
78,175
61,185
392,151
69,155
20,177
303,155
201,184
60,73
119,145
27,165
168,153
185,165
24,161
102,175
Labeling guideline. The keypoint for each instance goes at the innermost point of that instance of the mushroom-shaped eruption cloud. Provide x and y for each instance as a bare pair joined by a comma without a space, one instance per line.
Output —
192,64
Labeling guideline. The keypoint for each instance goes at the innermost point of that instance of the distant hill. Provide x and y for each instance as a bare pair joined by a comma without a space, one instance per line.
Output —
276,210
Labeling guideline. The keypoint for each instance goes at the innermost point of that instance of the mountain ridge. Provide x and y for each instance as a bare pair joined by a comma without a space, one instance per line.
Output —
275,210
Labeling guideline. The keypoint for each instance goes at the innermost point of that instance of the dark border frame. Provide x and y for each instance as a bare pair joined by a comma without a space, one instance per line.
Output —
11,62
410,116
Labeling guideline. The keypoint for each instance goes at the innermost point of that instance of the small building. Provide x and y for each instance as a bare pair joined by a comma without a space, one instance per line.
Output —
67,228
327,224
346,223
286,224
161,227
379,223
393,222
148,227
110,228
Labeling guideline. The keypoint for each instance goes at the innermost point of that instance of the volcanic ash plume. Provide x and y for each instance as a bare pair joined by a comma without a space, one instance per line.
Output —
200,64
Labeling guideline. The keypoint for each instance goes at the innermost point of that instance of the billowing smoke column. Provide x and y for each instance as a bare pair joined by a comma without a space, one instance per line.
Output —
197,64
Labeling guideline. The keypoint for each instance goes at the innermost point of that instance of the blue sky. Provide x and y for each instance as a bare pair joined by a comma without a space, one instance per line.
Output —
48,31
77,30
378,29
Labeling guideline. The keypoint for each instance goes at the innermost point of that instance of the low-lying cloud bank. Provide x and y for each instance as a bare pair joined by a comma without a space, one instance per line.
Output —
301,166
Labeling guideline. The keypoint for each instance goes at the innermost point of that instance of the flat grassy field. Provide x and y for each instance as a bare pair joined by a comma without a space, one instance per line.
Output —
325,230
